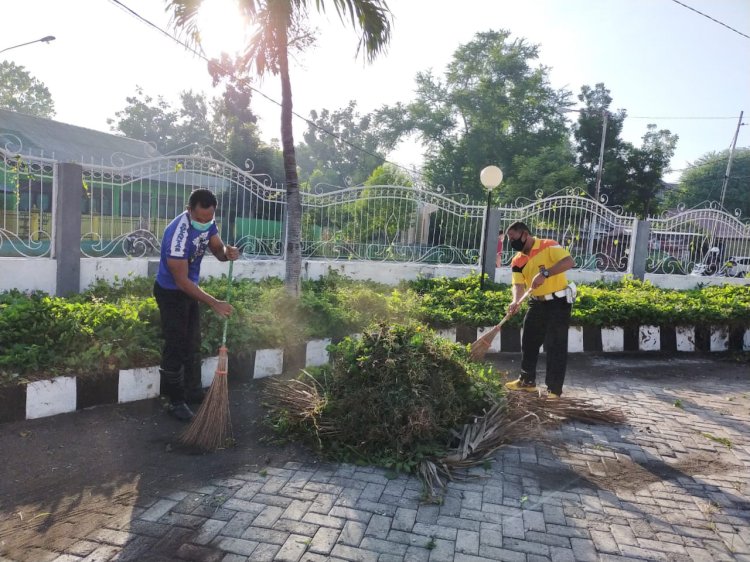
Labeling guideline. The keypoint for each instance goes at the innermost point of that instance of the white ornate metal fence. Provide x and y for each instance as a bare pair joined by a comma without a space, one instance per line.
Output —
26,201
125,209
393,223
598,237
706,240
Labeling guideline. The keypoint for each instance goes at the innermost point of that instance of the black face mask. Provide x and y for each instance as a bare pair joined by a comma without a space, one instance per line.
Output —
517,244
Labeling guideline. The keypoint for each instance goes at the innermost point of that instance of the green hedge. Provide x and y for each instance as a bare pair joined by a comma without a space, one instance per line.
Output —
115,326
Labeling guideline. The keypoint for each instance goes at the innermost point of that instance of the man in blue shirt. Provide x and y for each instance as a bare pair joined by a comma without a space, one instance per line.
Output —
177,293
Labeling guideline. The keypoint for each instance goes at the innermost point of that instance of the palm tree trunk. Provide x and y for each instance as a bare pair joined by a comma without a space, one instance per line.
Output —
293,199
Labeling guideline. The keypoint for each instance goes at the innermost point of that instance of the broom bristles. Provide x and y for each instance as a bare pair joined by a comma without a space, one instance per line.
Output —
211,427
479,348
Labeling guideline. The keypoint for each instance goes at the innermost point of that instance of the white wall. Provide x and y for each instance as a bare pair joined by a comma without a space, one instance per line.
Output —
111,269
29,274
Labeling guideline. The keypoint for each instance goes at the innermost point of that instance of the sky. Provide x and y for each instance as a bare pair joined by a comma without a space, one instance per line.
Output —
662,62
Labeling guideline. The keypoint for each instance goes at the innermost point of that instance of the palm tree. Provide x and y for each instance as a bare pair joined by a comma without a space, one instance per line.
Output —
268,52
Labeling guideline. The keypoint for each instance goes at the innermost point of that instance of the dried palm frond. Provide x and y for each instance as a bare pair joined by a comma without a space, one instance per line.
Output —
524,416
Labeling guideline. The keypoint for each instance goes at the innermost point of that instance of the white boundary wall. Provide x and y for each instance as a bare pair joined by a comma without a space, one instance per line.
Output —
32,274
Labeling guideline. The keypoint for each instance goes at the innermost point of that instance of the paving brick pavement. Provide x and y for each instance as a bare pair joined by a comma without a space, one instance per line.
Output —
672,484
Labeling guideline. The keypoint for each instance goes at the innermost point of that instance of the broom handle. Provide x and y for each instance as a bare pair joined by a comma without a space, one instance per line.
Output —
507,316
229,296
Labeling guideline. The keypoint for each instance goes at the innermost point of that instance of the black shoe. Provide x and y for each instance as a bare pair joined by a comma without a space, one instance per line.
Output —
195,396
181,412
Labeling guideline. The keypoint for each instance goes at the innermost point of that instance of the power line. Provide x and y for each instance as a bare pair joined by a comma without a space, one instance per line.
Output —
712,19
685,117
256,90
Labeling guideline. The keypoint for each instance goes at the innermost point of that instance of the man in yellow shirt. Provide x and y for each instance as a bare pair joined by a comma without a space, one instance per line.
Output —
541,265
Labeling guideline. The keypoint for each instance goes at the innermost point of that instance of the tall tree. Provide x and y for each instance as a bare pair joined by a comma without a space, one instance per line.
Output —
341,147
493,105
235,125
704,179
631,175
587,134
647,165
20,91
268,51
149,120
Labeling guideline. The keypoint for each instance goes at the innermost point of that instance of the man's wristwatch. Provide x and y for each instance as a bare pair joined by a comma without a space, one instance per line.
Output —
545,273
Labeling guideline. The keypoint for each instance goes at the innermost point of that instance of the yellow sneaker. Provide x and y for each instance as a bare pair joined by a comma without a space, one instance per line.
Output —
518,384
552,396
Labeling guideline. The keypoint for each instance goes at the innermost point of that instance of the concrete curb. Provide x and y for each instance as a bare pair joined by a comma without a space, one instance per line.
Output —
67,394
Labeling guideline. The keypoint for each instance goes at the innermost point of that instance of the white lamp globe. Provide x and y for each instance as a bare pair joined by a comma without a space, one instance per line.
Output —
491,176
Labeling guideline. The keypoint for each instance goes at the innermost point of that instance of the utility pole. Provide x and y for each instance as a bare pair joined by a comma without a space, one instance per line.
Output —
715,234
731,157
600,170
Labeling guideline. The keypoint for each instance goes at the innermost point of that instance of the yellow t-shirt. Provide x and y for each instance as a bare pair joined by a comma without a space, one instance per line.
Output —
546,253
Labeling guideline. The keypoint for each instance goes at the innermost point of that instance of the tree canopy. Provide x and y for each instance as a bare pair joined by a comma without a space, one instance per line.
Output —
21,92
493,105
341,147
703,181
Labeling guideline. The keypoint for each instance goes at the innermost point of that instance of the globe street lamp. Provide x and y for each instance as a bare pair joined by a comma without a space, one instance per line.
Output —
46,39
491,176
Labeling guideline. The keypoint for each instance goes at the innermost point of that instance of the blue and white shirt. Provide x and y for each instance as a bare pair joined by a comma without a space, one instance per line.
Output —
183,242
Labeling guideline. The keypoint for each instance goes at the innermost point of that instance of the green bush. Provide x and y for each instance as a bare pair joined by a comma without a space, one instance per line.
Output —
448,302
116,325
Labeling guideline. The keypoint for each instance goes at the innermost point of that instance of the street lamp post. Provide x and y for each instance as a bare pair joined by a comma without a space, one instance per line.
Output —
46,39
491,176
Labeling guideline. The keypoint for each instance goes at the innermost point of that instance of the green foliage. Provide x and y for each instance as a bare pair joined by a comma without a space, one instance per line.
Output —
112,326
631,175
19,91
704,179
495,103
49,336
394,395
445,302
339,160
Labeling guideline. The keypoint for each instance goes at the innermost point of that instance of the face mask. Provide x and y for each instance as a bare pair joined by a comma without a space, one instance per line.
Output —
517,244
201,226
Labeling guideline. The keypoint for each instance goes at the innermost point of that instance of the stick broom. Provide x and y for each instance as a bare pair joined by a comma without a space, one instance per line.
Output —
479,348
211,427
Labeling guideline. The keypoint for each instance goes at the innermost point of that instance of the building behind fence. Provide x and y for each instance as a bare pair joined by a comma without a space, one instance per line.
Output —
124,209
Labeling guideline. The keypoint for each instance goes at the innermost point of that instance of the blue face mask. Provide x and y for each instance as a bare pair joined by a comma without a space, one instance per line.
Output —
201,226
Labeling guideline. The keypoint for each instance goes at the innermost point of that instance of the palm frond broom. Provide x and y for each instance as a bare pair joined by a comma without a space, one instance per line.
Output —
211,428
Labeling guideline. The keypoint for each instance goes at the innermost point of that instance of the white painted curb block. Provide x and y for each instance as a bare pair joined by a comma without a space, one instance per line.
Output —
685,336
268,362
649,338
495,345
613,339
316,353
208,370
575,339
138,384
719,339
50,397
447,333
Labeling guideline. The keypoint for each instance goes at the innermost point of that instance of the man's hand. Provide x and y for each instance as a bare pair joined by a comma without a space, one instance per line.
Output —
222,308
537,281
513,307
231,252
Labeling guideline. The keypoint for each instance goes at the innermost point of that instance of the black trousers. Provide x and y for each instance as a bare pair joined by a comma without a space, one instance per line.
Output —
181,330
546,322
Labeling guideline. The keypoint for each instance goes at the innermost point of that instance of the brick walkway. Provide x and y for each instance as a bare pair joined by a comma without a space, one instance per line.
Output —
672,484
